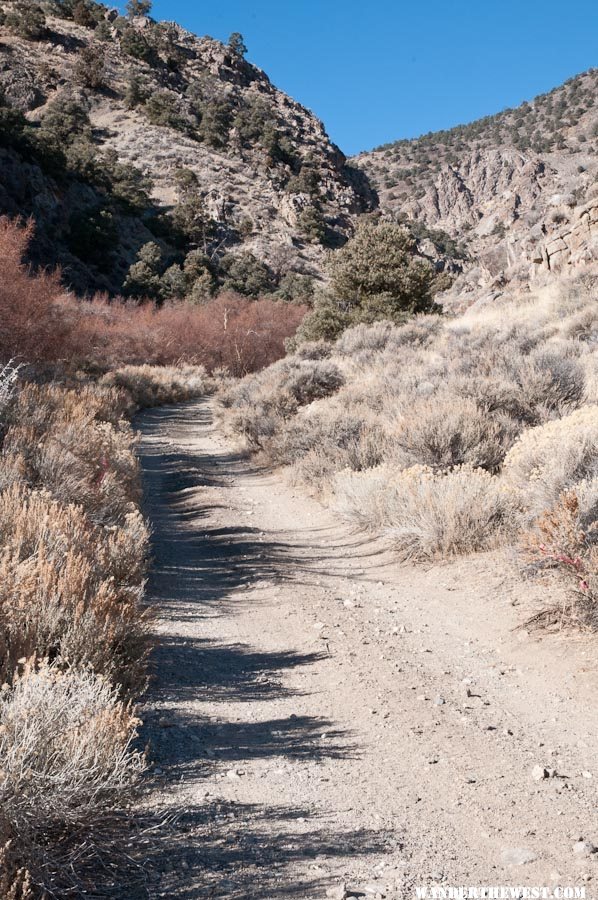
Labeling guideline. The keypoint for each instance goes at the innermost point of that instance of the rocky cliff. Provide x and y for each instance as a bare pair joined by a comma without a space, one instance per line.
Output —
515,193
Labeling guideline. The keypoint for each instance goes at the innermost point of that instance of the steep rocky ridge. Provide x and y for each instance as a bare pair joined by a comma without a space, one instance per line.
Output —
265,167
516,191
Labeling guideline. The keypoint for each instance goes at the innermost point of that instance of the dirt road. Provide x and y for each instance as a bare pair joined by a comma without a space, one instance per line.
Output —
326,722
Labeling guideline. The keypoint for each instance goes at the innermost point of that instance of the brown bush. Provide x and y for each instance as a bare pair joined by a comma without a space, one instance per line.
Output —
564,539
34,325
41,323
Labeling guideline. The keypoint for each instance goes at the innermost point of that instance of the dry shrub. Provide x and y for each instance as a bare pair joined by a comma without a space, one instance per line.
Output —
70,590
428,514
72,564
261,404
445,431
564,539
318,444
8,379
313,350
15,880
34,325
311,380
66,765
70,448
362,342
549,459
158,385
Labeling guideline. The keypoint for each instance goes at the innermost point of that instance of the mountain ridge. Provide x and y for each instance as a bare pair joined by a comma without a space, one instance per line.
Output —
508,187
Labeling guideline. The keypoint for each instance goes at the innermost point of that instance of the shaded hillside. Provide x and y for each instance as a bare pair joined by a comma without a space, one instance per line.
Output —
516,190
138,131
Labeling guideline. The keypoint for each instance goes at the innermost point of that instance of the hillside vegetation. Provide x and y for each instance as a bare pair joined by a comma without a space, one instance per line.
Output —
121,132
450,435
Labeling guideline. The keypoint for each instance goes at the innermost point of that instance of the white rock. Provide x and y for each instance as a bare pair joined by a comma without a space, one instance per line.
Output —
584,848
517,856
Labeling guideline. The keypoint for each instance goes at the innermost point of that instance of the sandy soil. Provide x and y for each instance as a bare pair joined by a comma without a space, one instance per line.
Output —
326,722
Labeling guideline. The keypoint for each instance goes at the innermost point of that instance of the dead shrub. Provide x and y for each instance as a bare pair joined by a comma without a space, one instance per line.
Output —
564,539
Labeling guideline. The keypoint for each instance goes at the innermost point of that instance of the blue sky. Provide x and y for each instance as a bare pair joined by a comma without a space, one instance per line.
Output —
381,70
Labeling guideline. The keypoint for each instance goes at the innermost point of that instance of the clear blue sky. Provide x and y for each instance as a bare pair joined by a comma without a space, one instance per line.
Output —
386,69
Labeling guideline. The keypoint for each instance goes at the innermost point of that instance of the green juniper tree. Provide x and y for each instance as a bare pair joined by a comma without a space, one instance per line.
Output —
137,8
237,44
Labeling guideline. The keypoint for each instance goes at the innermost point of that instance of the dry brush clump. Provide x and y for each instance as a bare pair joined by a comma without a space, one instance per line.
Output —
453,434
67,767
73,633
157,385
430,514
43,324
564,540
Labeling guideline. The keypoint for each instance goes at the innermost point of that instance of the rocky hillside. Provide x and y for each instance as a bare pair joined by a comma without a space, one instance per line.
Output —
514,193
116,132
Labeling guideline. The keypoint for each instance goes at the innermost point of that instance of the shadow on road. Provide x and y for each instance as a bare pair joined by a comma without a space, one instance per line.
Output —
243,852
201,571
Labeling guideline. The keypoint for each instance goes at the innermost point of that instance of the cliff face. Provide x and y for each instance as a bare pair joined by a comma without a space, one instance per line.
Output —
515,190
270,179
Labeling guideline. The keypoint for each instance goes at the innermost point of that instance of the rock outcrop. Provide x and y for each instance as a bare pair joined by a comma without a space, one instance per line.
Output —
513,190
260,158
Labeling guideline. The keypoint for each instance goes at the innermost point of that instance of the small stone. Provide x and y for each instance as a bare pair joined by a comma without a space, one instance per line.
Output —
158,771
349,604
165,722
233,774
539,773
586,774
439,701
517,856
338,893
584,848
